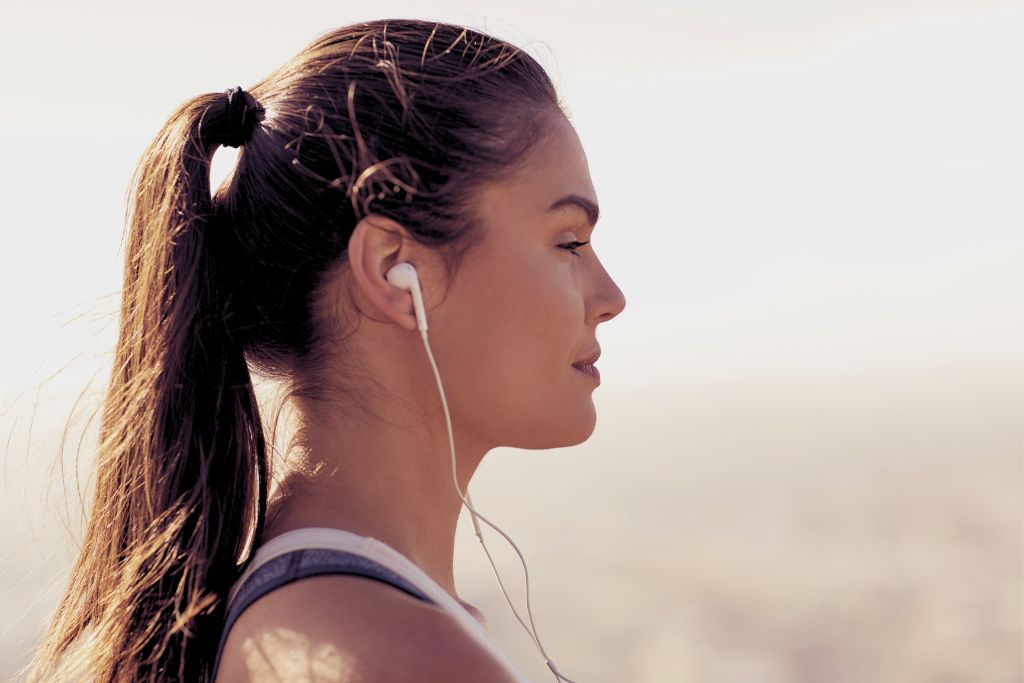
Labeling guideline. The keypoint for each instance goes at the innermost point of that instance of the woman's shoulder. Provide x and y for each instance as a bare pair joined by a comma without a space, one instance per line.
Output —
343,627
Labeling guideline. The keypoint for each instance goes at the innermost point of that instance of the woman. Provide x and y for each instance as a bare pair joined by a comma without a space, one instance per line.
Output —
381,143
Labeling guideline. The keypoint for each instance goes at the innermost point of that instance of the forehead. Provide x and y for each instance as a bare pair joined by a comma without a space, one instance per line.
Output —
556,167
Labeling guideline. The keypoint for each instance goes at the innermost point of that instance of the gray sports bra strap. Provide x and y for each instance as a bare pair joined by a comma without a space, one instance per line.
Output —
299,564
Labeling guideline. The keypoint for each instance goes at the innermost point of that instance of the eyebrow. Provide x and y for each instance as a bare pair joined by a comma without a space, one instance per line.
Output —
569,200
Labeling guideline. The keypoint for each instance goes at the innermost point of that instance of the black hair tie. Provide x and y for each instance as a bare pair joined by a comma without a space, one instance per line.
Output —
244,112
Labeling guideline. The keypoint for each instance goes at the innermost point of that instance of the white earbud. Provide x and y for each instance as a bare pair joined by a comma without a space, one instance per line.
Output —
403,276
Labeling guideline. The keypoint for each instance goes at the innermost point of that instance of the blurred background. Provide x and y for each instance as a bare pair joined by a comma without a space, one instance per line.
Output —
807,465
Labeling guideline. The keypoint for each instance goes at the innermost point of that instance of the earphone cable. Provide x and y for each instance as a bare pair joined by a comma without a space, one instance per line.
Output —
474,514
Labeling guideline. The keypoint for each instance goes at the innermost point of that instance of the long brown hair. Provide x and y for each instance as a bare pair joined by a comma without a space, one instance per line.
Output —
402,118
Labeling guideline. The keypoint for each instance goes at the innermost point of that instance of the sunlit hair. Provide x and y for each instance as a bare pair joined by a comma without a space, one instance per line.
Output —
403,118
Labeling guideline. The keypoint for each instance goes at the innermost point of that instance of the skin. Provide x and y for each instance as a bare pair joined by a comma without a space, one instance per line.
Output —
519,312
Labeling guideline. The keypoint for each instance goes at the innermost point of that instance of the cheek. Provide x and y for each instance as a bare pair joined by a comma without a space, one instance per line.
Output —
522,348
542,320
510,342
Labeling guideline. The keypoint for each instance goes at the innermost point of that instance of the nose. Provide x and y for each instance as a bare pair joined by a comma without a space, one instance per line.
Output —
610,301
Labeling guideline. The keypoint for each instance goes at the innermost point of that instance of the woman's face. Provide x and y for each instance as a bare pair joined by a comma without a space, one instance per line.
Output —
522,308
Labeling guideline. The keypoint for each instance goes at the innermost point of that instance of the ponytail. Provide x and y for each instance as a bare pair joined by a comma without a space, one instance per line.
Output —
181,459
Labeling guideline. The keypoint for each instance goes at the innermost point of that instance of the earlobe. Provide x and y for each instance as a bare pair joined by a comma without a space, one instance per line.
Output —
376,245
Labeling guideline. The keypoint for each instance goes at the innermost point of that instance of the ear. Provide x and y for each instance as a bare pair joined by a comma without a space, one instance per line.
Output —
377,244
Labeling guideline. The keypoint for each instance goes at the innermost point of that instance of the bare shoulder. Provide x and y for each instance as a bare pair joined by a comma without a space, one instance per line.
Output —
351,629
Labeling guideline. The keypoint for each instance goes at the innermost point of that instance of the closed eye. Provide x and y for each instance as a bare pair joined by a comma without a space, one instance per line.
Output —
573,246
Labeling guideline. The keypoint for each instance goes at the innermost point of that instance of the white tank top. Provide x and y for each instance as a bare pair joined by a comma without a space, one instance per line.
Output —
378,551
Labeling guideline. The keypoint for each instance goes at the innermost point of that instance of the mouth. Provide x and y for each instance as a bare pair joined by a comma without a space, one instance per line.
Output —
588,369
585,366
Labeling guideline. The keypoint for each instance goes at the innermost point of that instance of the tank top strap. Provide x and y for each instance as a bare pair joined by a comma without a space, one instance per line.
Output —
299,564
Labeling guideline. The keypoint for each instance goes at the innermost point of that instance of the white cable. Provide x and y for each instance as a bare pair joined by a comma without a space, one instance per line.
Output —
474,514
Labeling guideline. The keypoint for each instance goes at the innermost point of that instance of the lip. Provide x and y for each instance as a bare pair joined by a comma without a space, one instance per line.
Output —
589,360
590,371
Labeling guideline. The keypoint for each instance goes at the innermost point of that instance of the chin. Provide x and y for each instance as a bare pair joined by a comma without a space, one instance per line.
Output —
578,432
563,435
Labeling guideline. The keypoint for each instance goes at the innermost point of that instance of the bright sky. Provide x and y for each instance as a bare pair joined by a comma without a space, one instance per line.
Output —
783,191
